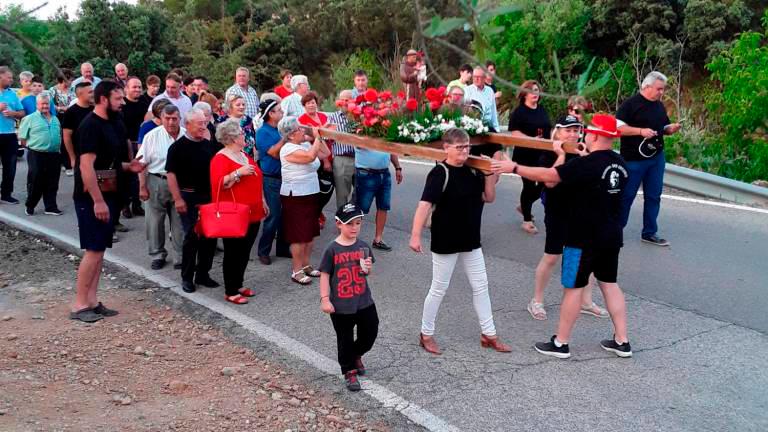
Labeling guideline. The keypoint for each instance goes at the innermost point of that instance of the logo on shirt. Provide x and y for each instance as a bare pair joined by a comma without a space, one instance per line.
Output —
612,175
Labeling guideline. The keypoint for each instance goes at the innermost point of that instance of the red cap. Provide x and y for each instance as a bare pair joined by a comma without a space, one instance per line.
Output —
603,125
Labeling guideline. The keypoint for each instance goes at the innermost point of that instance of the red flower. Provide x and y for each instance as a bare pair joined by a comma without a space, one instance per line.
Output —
431,94
411,104
435,105
351,106
442,90
371,95
369,112
341,103
382,112
386,123
401,95
395,106
359,99
385,95
357,111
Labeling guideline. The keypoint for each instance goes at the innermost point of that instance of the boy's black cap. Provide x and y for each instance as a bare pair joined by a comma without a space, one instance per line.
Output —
568,121
348,212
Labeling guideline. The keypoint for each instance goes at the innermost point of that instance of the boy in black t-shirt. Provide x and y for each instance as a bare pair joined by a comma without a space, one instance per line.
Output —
594,232
346,296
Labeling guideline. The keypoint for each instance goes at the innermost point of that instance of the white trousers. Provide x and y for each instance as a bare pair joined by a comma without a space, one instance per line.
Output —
442,270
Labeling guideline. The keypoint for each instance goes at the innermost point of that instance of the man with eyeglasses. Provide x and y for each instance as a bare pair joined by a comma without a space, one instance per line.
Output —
486,97
643,122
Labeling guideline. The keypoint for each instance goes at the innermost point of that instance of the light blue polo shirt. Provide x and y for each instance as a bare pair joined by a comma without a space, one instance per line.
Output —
41,134
371,159
8,124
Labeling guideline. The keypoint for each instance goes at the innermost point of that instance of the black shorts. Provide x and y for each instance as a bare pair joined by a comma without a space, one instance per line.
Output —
557,232
578,264
95,235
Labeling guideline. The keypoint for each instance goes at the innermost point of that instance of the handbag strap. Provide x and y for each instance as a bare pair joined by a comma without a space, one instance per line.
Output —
218,193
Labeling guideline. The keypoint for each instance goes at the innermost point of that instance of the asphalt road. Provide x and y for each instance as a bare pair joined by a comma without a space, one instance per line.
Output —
696,313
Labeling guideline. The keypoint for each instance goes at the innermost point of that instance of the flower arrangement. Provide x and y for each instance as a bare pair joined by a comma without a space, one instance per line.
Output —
395,118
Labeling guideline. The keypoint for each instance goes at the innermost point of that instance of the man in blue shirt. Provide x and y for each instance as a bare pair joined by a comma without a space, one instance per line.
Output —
29,102
10,111
373,181
268,143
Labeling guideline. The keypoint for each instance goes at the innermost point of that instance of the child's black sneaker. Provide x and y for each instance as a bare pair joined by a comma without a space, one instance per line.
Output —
621,350
360,366
353,384
550,349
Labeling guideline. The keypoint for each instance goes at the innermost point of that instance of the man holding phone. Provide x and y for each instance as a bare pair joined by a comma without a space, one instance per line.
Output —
643,122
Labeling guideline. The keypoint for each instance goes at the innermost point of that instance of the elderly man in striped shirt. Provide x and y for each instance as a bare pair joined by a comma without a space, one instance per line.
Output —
243,89
343,154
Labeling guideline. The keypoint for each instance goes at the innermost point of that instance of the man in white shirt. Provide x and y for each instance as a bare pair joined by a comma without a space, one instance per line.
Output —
174,95
153,188
243,89
481,93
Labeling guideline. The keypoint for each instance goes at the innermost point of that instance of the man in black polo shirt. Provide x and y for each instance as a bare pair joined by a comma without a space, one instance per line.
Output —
101,155
133,115
594,232
643,122
188,170
73,117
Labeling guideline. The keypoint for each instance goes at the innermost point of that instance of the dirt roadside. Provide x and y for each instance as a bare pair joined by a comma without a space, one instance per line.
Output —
151,368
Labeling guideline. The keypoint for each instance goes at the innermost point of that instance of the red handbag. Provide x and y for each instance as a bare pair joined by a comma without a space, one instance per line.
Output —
226,219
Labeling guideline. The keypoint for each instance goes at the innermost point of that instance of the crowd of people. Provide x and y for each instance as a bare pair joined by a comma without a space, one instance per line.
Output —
137,152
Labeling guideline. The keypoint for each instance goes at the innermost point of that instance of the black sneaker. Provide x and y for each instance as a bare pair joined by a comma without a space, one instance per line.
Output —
621,350
188,287
206,281
157,264
121,228
137,210
105,311
655,240
381,246
54,212
9,200
353,384
360,366
29,211
550,349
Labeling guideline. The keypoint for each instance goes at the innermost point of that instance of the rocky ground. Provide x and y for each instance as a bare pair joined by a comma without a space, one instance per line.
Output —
152,368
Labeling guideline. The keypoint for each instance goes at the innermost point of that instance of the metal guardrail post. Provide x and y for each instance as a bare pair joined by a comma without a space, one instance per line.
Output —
713,186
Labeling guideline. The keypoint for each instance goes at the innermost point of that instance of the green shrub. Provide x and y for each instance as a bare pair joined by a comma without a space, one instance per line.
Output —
343,71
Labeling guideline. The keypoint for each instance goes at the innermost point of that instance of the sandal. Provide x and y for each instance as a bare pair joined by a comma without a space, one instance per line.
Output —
594,310
236,299
86,315
309,271
537,310
247,292
303,280
529,227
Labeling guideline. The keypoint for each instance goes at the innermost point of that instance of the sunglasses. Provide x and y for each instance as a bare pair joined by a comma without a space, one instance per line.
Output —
461,147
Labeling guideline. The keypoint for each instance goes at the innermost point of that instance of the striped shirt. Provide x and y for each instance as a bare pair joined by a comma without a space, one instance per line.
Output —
250,96
342,125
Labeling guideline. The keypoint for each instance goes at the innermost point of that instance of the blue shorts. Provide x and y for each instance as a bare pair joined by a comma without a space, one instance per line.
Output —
370,184
95,235
578,264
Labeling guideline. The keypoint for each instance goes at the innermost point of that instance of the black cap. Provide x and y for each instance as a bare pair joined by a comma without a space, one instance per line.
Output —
568,121
348,212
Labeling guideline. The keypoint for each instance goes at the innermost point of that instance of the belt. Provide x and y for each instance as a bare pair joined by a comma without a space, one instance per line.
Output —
349,155
162,176
374,171
188,190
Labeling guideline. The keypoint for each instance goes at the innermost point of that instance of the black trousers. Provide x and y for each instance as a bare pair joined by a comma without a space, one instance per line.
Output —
196,251
530,193
9,144
237,252
43,172
349,348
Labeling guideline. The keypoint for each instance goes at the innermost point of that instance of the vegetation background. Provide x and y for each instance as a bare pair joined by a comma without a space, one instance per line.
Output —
715,52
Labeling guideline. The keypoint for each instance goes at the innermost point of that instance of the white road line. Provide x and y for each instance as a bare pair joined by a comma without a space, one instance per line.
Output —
380,393
665,196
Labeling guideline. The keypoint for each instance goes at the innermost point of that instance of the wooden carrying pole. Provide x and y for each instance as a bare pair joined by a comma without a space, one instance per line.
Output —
434,150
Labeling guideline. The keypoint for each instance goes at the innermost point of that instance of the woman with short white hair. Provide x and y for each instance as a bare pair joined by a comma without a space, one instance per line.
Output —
299,194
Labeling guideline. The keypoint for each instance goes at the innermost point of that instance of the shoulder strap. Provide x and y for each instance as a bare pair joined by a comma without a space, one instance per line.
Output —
445,182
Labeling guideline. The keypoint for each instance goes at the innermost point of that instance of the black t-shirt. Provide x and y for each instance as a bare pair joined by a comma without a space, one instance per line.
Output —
556,200
531,122
595,183
72,119
349,285
215,144
639,112
105,138
146,99
133,116
458,211
190,161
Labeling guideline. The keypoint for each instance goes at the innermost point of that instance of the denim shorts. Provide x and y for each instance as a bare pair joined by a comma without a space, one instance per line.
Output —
370,184
95,235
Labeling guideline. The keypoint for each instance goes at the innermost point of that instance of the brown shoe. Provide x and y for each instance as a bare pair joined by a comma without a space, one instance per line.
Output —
265,260
495,343
429,344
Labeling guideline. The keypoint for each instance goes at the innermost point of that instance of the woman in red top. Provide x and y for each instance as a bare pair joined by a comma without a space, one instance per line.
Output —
315,119
284,90
237,175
